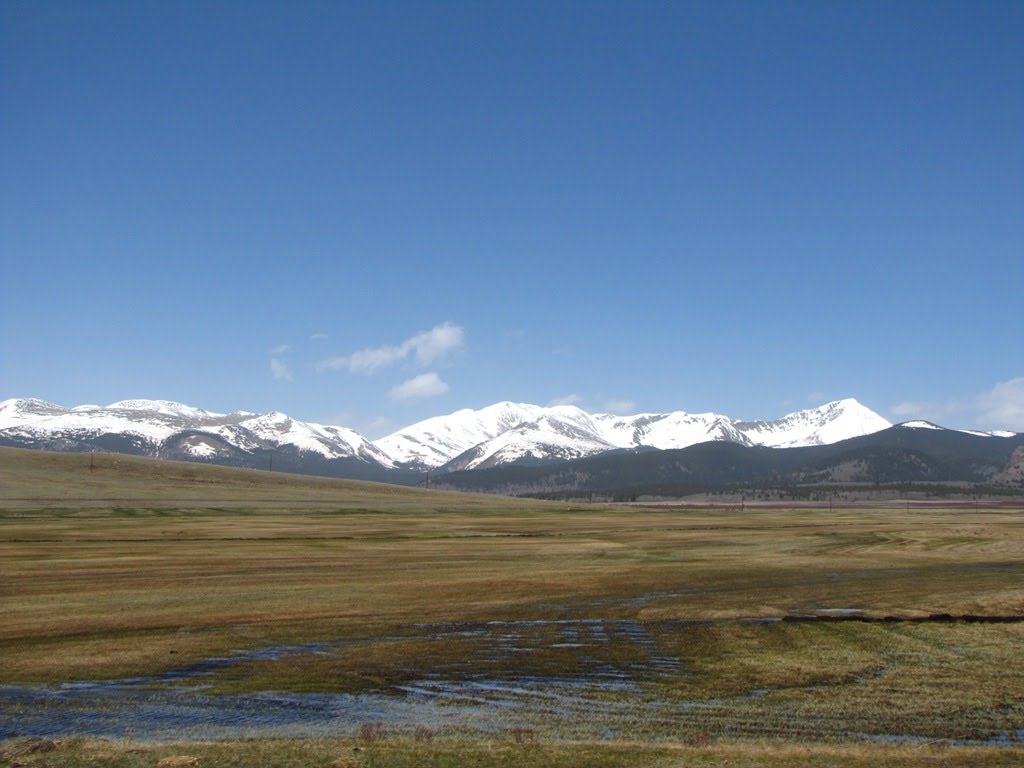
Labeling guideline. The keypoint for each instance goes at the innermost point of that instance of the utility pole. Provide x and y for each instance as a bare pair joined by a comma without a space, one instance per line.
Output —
271,469
427,480
92,461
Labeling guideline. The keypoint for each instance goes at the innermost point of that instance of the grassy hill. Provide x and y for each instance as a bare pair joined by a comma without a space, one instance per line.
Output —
39,479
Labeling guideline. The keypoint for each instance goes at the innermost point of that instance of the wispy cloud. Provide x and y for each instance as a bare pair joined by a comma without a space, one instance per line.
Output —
816,398
318,337
567,400
378,427
281,349
1001,407
432,347
419,388
619,407
928,410
613,405
366,360
371,429
280,370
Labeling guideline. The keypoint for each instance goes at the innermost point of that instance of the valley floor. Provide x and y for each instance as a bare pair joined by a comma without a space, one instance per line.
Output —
499,753
250,614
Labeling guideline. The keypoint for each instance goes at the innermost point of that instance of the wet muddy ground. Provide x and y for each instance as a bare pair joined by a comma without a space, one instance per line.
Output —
178,704
601,694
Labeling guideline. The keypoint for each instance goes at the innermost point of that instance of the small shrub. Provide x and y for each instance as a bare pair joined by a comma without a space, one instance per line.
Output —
423,733
522,735
371,732
699,739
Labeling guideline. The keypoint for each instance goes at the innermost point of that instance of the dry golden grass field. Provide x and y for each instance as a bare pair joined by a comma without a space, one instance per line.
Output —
692,636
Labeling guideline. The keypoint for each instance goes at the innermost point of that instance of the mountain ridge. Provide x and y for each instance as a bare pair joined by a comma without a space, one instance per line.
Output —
499,435
488,437
899,455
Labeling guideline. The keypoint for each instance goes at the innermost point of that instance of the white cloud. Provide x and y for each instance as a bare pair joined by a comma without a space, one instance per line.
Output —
436,344
419,387
280,370
280,349
431,347
318,337
935,410
377,428
368,360
567,400
1002,407
619,407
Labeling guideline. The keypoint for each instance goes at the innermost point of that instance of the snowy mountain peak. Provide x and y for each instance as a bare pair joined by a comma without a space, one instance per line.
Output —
22,410
163,407
508,431
435,441
922,424
823,425
28,405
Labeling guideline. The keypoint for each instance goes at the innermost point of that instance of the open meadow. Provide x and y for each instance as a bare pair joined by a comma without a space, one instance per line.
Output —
153,609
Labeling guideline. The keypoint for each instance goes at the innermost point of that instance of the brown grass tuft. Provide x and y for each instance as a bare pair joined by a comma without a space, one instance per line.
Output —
372,732
522,735
30,746
699,739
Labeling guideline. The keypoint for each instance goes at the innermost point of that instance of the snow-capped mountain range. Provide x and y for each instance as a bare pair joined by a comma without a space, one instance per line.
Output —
171,430
513,432
499,434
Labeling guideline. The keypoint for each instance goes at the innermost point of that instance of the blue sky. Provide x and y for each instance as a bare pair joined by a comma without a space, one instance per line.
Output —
369,213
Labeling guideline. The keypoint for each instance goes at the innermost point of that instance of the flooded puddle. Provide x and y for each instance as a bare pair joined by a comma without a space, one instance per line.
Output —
603,696
175,705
